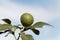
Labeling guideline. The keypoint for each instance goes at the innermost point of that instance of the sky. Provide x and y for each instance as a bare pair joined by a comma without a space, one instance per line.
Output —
42,10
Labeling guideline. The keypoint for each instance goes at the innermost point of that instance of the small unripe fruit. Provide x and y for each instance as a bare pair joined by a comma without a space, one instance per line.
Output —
26,19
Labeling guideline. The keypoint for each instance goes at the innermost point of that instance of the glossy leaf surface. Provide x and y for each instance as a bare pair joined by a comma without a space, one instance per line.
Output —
5,26
26,36
7,21
39,25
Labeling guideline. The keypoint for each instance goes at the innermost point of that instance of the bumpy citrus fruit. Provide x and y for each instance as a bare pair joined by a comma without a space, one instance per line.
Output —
26,19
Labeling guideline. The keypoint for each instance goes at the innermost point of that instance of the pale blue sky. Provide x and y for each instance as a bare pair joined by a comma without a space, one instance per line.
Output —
42,10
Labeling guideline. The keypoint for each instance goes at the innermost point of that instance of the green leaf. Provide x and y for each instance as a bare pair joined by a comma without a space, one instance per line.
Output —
5,26
36,31
39,25
7,21
26,36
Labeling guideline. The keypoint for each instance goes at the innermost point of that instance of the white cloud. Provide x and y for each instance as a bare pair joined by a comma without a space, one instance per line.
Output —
12,10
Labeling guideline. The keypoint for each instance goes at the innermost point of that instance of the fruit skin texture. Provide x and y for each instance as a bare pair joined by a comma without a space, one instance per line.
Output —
26,19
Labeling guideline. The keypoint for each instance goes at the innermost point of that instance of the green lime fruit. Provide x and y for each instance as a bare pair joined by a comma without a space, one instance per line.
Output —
26,19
